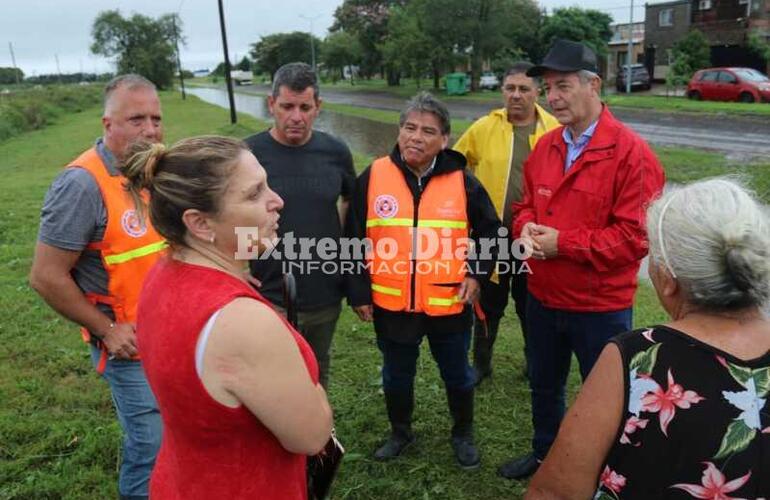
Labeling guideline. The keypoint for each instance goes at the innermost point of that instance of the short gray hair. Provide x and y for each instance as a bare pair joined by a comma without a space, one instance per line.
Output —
424,102
714,238
130,81
586,75
297,76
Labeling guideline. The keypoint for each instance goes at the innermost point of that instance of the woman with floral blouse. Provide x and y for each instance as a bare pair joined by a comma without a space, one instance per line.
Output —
680,410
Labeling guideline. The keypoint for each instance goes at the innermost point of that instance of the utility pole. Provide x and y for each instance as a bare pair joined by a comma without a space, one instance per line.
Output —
13,60
629,73
233,117
178,60
312,43
58,69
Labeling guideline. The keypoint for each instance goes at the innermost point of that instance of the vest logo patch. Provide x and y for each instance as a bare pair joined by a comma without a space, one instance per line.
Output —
385,206
131,225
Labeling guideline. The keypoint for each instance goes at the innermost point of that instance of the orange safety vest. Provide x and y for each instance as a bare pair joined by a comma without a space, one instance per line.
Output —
128,250
407,273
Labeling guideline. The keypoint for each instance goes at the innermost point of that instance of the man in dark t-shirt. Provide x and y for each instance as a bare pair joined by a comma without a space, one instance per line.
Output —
313,173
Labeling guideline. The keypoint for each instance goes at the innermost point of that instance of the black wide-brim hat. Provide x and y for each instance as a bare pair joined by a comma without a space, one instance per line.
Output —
566,56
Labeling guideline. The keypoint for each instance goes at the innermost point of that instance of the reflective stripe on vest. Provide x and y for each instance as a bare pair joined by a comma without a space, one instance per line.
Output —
406,278
135,254
128,249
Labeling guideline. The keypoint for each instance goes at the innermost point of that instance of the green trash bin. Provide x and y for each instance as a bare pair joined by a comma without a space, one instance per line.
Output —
456,84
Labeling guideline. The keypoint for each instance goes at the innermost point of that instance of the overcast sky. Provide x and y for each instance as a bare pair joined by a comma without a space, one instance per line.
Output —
41,30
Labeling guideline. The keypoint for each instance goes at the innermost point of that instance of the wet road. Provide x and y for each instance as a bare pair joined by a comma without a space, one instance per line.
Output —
741,138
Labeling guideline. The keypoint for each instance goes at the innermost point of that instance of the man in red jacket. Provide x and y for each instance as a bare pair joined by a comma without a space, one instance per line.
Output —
587,186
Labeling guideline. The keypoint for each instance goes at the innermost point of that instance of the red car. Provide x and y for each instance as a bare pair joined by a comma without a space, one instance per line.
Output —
729,84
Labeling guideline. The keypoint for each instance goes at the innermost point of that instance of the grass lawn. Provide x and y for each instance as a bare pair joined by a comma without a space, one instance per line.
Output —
677,104
58,434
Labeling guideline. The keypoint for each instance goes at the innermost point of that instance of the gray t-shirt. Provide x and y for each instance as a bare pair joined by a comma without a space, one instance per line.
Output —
74,215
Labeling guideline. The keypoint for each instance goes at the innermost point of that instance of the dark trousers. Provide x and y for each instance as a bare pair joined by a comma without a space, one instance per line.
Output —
493,300
317,327
554,335
449,350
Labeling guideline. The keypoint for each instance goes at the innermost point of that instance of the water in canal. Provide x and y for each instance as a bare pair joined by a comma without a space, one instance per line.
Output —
360,134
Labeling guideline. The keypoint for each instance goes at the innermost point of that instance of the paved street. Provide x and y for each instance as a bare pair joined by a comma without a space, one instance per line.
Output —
741,138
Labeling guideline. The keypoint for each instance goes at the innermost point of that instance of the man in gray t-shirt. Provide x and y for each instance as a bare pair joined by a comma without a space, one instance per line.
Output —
66,269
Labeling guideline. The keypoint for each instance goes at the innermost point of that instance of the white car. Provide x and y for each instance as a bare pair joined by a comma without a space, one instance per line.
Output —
489,81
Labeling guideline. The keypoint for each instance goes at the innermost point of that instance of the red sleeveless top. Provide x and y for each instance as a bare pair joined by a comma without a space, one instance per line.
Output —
208,450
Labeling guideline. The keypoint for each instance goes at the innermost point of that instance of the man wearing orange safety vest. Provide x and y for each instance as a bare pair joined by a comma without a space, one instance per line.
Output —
92,254
419,208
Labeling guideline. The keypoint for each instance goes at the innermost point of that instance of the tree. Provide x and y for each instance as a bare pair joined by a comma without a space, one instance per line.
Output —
690,53
244,65
139,44
367,20
341,49
406,47
273,51
759,44
498,25
588,26
11,75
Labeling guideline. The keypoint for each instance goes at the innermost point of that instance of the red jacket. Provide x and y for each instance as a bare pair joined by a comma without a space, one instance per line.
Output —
599,208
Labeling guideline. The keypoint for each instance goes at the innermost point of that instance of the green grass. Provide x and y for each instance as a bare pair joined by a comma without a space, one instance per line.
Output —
58,433
679,104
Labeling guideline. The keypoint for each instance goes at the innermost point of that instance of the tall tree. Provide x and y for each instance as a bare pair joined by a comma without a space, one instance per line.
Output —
407,47
367,20
341,49
139,44
244,65
588,26
273,51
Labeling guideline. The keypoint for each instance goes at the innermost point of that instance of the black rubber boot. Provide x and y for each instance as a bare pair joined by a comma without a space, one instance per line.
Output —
400,405
484,336
461,407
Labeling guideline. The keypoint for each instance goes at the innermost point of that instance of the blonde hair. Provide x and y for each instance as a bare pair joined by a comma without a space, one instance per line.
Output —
191,174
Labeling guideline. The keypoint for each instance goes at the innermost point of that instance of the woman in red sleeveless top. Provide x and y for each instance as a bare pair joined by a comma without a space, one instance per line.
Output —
237,386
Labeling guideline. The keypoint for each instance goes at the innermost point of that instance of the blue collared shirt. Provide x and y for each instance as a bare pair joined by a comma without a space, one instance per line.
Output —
575,148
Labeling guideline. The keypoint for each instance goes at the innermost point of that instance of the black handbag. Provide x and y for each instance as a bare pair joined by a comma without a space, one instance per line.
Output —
321,468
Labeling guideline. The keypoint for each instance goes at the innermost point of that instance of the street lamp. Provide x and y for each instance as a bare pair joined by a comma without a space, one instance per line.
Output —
312,43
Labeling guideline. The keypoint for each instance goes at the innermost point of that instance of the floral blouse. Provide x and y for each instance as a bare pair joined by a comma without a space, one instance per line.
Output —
696,423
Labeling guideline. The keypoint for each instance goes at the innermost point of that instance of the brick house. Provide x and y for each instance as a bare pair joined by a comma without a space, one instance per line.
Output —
664,24
725,23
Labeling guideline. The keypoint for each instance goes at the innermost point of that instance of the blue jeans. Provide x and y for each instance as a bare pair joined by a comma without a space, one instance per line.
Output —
140,419
450,350
553,336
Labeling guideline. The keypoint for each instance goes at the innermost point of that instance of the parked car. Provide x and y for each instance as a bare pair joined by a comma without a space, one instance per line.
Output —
489,81
640,78
729,84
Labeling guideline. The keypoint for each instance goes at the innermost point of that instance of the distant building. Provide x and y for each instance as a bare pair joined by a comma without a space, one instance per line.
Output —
618,47
201,72
664,24
725,23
